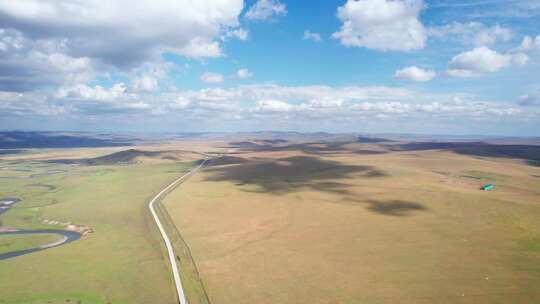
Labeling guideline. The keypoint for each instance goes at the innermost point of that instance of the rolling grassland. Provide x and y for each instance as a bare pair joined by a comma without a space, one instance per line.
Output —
360,223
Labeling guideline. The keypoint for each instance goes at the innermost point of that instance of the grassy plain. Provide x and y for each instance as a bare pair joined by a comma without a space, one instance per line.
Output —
123,261
21,242
362,224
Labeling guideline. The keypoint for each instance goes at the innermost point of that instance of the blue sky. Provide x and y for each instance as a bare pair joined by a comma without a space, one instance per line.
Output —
440,66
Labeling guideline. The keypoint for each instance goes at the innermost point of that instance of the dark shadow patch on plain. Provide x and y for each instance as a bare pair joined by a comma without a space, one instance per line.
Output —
124,157
226,160
11,151
375,173
372,140
395,207
528,153
274,141
534,163
23,139
313,148
283,175
368,152
247,145
333,187
121,157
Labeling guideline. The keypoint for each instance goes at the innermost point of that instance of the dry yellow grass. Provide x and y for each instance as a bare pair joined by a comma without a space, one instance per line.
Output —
399,227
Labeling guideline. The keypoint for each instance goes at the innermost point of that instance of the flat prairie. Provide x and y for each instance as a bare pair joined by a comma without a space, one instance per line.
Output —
362,223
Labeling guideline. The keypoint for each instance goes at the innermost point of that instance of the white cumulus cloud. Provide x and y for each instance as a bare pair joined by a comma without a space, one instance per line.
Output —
124,32
26,64
273,106
382,24
482,60
209,77
266,9
532,99
472,33
415,74
238,33
243,73
492,35
315,106
309,35
95,93
145,84
528,43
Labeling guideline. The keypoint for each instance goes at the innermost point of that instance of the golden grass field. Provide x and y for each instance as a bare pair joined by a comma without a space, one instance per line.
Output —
362,224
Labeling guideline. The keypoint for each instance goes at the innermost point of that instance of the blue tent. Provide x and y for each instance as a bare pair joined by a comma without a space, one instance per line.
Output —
487,187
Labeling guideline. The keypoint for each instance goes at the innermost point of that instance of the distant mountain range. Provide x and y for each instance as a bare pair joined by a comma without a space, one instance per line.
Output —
23,139
38,139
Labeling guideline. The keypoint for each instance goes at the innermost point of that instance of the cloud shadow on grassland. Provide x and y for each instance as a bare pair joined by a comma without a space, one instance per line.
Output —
313,148
10,151
289,174
529,153
23,140
397,208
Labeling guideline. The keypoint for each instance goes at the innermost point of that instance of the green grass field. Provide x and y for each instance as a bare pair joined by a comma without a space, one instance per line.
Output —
396,227
123,261
21,242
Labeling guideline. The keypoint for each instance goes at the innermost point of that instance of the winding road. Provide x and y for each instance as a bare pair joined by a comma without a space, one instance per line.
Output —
170,252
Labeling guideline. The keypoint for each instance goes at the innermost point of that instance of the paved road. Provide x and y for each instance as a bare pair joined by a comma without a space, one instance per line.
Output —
172,260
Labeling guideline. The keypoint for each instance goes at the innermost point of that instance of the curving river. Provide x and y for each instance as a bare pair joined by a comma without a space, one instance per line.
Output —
67,237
